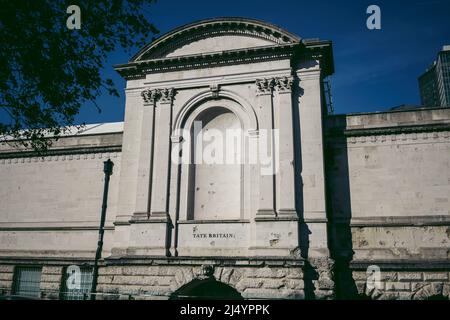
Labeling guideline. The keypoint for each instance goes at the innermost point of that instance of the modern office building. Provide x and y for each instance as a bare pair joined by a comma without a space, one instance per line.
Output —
434,84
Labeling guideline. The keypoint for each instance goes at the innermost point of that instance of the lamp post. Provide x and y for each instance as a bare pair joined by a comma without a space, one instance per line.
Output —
107,169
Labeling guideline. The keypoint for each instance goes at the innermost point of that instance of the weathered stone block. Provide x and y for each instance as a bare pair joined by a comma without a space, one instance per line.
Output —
143,270
415,286
404,296
360,286
274,284
156,291
388,296
264,273
294,274
53,270
359,276
6,276
324,294
50,286
295,284
435,276
105,279
326,284
51,278
258,293
397,286
409,276
6,268
389,276
249,283
235,277
110,270
294,294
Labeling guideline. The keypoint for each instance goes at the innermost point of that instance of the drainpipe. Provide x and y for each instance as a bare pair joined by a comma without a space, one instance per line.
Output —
107,169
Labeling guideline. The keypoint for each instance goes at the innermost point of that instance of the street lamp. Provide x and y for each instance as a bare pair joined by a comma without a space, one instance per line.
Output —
107,169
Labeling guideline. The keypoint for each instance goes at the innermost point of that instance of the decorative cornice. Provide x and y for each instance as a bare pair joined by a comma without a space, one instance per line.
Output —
365,132
61,155
138,69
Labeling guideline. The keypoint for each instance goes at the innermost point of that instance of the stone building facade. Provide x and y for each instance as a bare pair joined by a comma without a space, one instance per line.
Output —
314,205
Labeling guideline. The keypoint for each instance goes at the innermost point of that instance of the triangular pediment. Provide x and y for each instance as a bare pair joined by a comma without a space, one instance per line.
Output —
215,35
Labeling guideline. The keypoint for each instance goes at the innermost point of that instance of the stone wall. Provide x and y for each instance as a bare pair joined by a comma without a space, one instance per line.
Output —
405,285
253,279
388,183
6,278
51,278
160,278
388,178
51,204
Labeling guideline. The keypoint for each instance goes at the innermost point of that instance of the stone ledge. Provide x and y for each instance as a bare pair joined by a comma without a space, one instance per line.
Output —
394,221
402,265
216,261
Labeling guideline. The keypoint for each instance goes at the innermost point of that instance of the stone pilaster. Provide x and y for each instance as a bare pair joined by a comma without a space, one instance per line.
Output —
319,278
143,189
285,177
266,199
162,160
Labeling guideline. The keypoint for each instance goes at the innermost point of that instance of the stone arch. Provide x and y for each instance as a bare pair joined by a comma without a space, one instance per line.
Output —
189,278
245,110
206,289
432,290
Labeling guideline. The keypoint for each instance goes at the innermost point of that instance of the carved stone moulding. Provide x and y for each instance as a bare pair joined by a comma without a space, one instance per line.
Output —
164,95
267,85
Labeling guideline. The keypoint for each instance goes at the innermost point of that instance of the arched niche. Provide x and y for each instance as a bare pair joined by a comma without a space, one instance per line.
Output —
212,191
216,166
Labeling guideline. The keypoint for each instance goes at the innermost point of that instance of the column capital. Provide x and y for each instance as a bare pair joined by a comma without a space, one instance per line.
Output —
284,84
149,96
264,86
167,95
164,96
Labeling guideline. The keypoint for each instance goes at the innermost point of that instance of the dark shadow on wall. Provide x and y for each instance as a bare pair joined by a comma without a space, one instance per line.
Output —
309,273
339,206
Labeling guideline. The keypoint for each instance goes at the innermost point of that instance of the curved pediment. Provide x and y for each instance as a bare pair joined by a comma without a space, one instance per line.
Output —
215,35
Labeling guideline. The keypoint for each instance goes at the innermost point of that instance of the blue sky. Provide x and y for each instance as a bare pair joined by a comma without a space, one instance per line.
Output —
374,70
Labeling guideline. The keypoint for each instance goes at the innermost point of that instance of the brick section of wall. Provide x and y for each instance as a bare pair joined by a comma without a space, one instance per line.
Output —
51,281
159,282
417,285
6,279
